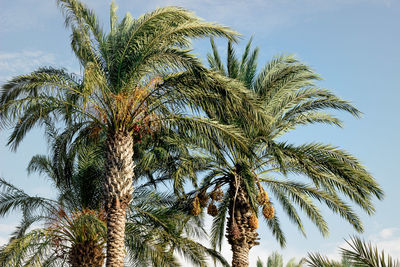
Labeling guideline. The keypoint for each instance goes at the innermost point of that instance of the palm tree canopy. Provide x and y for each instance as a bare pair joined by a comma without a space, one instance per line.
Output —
128,72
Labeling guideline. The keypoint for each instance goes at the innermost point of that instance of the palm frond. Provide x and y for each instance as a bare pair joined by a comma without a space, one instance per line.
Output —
363,254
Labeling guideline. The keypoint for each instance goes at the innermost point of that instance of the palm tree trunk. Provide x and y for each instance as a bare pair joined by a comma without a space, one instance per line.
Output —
86,254
241,236
116,236
240,255
118,193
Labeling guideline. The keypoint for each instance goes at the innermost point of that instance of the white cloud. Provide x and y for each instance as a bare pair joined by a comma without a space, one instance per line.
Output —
2,241
391,247
6,228
387,233
388,239
25,60
15,63
5,231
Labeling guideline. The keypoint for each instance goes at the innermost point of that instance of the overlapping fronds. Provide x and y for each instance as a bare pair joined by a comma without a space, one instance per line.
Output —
157,231
13,198
360,254
32,249
119,65
289,97
317,260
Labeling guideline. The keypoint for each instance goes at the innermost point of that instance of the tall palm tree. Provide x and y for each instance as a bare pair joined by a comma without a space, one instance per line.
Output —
74,230
286,90
360,254
126,90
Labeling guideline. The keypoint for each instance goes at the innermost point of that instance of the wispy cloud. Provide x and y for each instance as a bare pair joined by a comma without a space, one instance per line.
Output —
388,239
2,241
255,16
25,60
16,63
388,233
6,228
5,231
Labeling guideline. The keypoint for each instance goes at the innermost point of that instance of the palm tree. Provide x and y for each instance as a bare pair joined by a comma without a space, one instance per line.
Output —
74,230
276,260
155,232
286,90
360,254
126,91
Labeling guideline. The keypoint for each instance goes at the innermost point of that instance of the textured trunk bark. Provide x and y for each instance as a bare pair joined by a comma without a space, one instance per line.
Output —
118,194
86,254
240,255
241,236
116,219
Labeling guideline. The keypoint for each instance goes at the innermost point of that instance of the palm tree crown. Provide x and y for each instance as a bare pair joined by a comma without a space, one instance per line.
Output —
288,97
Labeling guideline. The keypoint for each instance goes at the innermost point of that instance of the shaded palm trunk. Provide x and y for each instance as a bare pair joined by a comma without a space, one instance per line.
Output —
241,236
87,254
118,193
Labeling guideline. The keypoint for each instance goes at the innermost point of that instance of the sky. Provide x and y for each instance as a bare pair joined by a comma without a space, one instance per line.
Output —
353,44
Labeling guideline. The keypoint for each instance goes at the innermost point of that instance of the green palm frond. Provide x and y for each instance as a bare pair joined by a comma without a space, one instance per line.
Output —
259,263
215,60
276,230
219,223
361,253
13,198
28,250
317,260
275,260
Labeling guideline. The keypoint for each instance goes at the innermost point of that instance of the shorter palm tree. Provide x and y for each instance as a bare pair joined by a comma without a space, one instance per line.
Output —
155,232
276,260
360,254
73,232
66,238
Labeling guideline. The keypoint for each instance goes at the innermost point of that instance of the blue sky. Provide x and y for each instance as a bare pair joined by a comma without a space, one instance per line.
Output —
353,44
